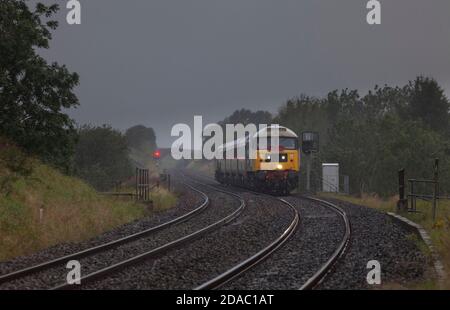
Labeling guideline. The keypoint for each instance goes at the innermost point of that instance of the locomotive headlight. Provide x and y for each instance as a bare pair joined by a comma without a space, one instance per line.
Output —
268,157
280,167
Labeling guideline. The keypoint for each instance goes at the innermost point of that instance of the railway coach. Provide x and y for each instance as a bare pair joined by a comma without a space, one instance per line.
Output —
263,170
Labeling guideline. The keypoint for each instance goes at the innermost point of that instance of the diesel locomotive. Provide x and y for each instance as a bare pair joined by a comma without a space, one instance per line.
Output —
268,169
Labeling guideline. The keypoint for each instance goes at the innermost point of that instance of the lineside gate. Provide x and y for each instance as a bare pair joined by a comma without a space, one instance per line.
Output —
408,202
142,184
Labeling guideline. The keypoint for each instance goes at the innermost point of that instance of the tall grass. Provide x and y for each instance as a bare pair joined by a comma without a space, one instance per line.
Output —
71,211
162,199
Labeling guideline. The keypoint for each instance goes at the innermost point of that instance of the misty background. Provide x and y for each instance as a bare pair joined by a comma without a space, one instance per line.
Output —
160,62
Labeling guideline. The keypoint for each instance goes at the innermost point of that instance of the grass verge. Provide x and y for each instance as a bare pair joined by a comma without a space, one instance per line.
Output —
41,207
162,199
47,208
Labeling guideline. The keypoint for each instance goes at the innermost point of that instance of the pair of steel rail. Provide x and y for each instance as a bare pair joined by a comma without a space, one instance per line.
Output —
214,283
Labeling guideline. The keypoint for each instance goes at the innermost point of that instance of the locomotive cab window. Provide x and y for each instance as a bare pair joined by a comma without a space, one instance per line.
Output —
289,143
284,143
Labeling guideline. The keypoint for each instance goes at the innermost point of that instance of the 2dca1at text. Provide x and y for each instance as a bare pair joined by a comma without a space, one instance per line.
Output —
226,299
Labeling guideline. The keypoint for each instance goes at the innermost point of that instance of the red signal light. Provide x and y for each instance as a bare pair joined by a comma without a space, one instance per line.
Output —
157,154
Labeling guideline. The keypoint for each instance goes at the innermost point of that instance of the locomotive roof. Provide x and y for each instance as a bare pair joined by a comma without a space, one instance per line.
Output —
264,132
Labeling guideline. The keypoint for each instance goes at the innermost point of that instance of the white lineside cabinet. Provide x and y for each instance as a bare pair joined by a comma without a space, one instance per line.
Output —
330,178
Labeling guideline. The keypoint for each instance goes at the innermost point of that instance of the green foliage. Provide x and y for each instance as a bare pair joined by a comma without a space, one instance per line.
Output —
141,143
162,199
33,92
13,159
371,153
141,137
374,136
101,157
14,164
304,113
245,117
72,210
428,103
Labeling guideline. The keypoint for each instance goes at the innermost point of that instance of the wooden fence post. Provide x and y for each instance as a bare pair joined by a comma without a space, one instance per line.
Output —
136,184
402,203
436,187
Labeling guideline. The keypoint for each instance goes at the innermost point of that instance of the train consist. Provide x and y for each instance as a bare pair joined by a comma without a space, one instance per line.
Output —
263,170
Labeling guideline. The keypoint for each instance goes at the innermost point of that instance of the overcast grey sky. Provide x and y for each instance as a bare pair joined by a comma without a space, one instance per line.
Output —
159,62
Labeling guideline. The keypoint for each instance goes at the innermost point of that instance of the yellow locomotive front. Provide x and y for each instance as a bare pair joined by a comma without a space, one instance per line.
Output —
269,169
276,170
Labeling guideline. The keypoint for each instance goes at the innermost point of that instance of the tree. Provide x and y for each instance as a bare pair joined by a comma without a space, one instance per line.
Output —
304,113
429,103
141,143
246,117
141,138
101,157
371,153
375,135
33,93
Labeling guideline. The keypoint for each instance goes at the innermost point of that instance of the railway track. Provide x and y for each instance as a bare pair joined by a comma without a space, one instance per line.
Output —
48,265
255,259
265,252
327,267
106,246
159,251
313,281
218,281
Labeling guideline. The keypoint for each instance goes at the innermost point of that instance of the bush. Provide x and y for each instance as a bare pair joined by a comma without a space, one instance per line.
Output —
101,157
14,164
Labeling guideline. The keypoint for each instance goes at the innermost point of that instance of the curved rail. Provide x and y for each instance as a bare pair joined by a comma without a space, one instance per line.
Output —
326,268
157,252
313,281
102,247
254,260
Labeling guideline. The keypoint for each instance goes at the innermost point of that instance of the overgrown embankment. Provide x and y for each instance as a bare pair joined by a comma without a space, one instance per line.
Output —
40,207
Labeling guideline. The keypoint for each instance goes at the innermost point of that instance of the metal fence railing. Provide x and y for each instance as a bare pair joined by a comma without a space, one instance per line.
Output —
142,186
418,190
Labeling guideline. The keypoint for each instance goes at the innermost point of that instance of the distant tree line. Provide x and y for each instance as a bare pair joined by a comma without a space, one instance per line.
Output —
245,116
105,157
375,135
